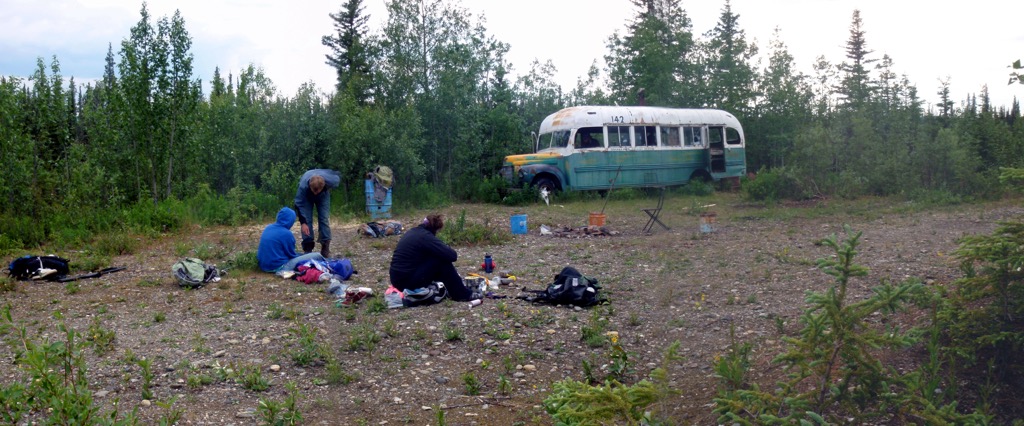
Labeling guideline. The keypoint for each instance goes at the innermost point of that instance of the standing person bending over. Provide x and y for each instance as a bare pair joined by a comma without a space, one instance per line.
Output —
315,191
421,258
277,245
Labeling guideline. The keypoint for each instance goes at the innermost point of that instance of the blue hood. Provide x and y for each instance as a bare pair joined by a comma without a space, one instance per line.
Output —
286,217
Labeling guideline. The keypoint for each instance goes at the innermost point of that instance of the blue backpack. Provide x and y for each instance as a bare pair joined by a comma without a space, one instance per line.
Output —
342,268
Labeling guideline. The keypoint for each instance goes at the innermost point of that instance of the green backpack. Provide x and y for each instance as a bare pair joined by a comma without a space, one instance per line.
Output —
193,273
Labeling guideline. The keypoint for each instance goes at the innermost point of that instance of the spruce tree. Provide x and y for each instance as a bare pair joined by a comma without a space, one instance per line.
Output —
349,55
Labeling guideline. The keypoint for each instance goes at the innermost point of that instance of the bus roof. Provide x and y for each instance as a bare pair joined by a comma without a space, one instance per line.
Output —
593,116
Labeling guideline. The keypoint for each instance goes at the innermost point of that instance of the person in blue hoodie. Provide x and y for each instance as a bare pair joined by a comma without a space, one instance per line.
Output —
276,251
315,191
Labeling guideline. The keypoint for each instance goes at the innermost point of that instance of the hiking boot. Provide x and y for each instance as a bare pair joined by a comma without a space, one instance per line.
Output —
325,249
307,246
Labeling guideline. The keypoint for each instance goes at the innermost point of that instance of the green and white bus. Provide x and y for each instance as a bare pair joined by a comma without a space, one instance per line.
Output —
596,147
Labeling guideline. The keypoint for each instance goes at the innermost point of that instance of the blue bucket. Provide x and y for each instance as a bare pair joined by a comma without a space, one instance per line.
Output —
377,210
518,223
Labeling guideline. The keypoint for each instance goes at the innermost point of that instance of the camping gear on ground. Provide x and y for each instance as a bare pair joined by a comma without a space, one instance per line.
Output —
337,288
353,295
433,293
654,213
310,274
476,283
518,224
379,230
707,222
193,273
488,265
96,274
570,287
597,218
393,297
378,192
50,268
341,268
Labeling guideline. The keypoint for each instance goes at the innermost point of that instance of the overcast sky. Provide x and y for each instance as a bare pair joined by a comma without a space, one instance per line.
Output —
970,42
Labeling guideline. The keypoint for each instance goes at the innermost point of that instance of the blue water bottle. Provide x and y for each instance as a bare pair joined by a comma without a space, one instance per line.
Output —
488,263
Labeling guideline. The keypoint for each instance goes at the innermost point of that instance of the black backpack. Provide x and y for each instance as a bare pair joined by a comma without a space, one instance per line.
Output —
33,267
433,293
570,287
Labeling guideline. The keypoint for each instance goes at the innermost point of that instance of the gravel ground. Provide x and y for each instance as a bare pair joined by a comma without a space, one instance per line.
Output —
401,366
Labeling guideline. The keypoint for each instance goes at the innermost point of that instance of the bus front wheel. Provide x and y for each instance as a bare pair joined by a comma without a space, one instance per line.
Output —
547,184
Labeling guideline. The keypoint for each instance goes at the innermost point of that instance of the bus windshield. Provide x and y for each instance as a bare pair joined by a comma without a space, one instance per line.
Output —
556,139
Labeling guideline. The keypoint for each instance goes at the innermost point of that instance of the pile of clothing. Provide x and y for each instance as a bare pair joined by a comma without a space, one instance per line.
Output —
334,272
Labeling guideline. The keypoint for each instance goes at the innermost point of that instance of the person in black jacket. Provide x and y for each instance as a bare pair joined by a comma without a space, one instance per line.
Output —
421,258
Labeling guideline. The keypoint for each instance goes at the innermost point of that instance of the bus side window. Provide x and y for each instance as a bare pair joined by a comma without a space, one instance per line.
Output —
589,137
646,135
691,136
618,136
669,136
732,136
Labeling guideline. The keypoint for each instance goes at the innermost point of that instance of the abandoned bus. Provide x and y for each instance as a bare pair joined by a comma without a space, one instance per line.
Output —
597,147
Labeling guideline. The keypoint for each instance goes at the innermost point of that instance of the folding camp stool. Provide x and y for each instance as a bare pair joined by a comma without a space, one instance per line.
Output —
653,214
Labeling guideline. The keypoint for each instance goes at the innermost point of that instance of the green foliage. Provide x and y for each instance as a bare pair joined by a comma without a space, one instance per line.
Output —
1016,76
251,377
452,334
146,371
20,231
695,188
470,383
281,413
577,403
56,379
8,284
486,190
461,233
115,244
982,318
101,338
774,185
309,350
171,415
418,196
245,261
593,333
835,373
336,373
731,369
1013,177
363,338
89,261
522,196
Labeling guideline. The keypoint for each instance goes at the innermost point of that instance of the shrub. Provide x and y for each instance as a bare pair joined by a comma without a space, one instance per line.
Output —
772,185
573,402
281,413
460,233
835,372
58,383
245,261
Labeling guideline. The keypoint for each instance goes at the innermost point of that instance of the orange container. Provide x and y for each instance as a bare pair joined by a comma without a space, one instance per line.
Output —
597,219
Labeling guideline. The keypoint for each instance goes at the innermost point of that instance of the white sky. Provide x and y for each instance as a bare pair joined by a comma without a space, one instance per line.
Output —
972,43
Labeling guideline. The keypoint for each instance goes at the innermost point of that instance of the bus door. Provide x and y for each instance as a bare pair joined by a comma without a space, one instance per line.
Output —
735,154
587,165
716,150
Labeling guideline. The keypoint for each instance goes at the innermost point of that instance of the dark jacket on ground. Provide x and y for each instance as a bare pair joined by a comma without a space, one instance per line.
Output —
421,258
